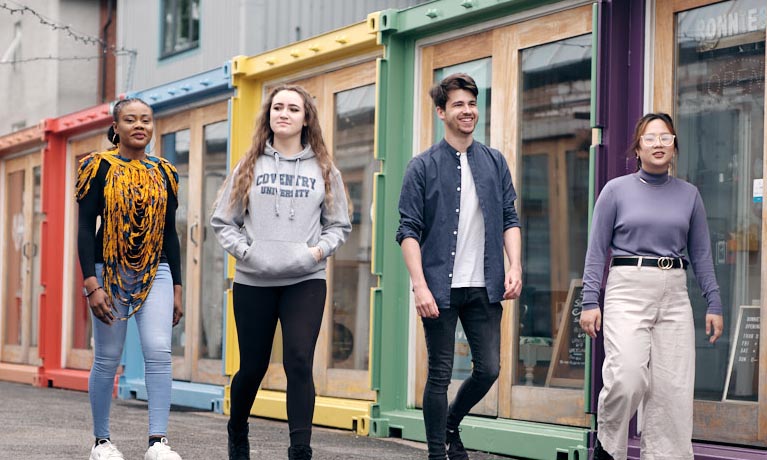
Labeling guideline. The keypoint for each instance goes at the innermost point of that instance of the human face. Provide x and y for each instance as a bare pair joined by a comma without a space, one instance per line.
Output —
287,115
460,115
134,125
655,156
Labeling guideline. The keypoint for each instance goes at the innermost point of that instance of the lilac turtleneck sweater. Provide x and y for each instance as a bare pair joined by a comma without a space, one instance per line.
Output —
653,215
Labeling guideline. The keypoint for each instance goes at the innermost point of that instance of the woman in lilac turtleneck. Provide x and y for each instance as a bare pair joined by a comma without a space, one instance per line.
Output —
649,226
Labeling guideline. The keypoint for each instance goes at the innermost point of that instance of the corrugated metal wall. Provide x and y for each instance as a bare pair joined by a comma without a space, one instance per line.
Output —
228,28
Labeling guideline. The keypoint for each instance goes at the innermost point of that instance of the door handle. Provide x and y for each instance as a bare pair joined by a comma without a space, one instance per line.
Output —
25,250
192,229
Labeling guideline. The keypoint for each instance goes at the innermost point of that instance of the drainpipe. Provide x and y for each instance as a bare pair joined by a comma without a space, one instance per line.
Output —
105,50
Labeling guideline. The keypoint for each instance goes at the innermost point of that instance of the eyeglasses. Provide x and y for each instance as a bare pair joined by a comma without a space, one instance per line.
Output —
666,140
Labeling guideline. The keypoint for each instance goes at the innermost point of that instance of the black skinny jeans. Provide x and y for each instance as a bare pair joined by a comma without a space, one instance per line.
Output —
481,320
299,308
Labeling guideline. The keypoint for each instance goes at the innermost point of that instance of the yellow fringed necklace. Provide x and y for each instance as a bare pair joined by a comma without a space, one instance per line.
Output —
135,200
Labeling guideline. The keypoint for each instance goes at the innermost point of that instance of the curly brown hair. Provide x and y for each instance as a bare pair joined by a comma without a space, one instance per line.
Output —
311,134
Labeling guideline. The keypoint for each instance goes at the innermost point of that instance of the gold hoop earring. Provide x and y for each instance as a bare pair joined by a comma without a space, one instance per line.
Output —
114,136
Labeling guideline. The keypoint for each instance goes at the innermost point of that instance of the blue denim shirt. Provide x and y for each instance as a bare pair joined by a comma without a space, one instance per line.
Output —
428,200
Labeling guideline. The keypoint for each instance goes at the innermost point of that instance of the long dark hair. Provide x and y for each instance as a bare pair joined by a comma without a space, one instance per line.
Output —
113,137
640,127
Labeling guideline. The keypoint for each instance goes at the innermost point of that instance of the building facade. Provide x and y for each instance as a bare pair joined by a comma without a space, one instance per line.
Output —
178,38
46,71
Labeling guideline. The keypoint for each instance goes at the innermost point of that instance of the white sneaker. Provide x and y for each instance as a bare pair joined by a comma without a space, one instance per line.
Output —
161,451
105,450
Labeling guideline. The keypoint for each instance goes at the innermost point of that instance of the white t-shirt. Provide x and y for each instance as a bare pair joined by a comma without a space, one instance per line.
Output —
469,265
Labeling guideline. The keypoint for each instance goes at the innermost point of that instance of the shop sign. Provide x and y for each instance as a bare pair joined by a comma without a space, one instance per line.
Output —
742,382
730,24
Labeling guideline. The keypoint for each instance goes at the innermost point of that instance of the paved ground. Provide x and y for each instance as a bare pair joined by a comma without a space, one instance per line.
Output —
48,424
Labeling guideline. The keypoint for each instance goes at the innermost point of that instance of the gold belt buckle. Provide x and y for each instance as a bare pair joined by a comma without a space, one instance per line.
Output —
665,263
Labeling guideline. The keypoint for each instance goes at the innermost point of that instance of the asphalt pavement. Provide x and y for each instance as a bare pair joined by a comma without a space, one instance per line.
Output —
50,423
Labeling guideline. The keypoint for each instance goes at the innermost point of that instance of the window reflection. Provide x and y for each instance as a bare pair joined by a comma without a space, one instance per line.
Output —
553,206
33,253
16,230
719,107
175,148
213,261
354,127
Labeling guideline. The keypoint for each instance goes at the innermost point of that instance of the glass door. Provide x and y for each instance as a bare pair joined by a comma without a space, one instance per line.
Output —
195,141
78,330
346,105
21,261
534,102
713,83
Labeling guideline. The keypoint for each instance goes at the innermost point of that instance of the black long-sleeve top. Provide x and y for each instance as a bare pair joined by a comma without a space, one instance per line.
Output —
90,244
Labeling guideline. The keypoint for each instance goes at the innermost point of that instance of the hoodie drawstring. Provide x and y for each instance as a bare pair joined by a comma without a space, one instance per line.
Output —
293,192
296,170
279,189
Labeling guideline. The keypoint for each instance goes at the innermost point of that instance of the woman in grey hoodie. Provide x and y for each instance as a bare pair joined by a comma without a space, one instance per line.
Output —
281,213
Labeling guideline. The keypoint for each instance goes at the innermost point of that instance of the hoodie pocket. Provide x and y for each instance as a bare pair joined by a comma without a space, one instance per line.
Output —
270,259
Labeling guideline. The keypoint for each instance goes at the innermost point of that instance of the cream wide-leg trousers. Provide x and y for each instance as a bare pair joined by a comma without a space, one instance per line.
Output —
649,359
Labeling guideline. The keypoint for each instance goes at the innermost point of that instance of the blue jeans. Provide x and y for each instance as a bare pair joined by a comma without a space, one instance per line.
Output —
481,320
155,323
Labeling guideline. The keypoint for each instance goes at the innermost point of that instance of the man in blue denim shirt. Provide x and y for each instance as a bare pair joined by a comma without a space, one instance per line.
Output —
457,217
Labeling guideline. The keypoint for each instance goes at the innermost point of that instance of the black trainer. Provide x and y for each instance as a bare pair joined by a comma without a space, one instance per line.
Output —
300,452
239,447
600,453
455,449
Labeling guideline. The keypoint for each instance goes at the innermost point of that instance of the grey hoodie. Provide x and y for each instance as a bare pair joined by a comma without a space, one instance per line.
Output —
286,215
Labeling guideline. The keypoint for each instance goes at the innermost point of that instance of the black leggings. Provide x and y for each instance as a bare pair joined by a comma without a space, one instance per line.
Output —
299,308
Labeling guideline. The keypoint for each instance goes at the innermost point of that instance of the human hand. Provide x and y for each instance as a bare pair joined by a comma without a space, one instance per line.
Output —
512,284
591,322
178,306
425,304
101,305
714,327
316,253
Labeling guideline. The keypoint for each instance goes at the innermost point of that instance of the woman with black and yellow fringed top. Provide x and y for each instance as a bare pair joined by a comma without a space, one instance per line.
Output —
131,267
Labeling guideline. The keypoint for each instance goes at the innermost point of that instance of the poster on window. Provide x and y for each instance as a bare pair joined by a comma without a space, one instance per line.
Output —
568,361
742,382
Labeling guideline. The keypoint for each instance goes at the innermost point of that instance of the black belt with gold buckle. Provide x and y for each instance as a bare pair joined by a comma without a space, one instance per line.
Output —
664,263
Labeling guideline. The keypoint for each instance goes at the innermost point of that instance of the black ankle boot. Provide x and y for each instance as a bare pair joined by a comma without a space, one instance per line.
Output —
455,449
239,447
300,452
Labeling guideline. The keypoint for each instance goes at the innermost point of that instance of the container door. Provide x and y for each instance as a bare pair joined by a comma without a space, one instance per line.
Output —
534,100
708,67
77,317
195,141
346,105
22,216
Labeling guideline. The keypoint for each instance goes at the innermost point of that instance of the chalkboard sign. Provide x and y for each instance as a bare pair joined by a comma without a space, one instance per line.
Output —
742,382
568,360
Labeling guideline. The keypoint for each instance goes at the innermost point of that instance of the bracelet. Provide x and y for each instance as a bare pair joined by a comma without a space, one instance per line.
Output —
94,290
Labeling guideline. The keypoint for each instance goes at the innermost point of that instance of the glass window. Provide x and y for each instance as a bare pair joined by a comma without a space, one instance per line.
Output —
15,230
175,148
213,261
180,26
555,100
33,252
719,107
354,128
